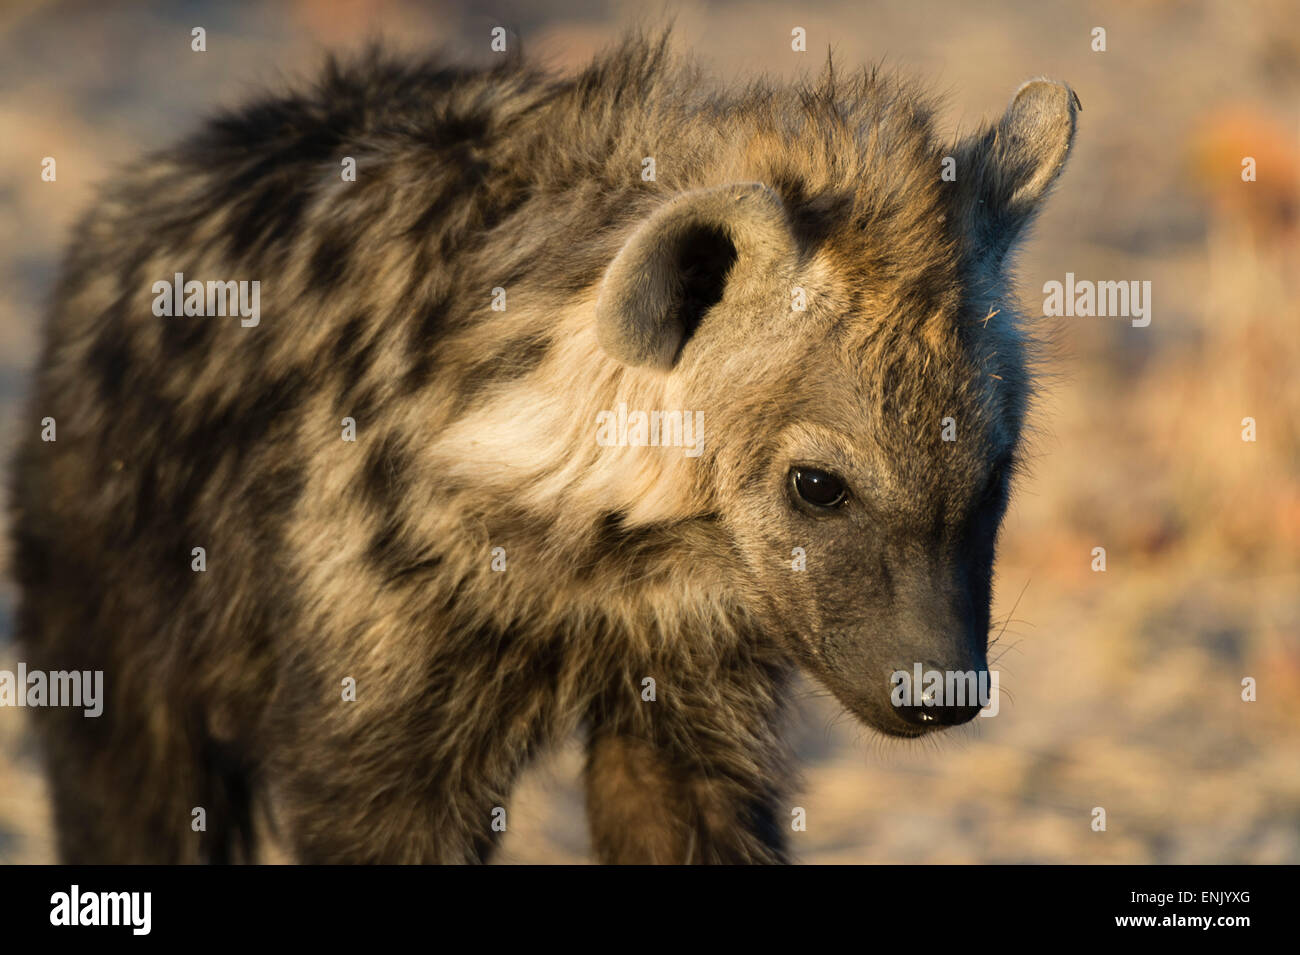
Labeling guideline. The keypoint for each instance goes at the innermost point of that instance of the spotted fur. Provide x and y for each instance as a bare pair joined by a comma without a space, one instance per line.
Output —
475,430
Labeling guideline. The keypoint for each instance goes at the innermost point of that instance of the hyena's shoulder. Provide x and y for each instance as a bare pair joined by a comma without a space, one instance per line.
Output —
463,181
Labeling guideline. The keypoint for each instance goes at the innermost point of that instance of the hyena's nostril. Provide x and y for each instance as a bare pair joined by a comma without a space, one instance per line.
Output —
937,716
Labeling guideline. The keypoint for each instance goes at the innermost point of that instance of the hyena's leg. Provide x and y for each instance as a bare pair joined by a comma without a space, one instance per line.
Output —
349,803
124,783
405,774
697,775
125,786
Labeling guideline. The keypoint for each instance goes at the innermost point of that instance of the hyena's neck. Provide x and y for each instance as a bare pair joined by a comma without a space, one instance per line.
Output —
643,587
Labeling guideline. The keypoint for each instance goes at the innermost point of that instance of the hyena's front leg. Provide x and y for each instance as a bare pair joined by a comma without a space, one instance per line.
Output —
695,776
422,776
372,801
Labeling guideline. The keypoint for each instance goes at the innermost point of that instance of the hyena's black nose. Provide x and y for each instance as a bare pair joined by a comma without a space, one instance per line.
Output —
935,716
938,697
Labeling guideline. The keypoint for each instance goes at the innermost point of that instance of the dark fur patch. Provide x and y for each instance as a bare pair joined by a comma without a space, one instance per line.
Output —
422,334
352,353
384,477
329,263
111,360
514,360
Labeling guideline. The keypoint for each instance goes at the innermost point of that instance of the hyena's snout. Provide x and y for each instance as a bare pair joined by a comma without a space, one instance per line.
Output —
920,665
937,656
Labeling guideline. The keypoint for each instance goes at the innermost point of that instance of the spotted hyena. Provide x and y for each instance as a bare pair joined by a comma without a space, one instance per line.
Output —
596,404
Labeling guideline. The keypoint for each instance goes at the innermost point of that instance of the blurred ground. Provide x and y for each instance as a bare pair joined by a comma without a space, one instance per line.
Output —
1125,684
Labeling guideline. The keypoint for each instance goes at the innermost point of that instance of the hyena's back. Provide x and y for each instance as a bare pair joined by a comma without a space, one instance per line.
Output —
175,433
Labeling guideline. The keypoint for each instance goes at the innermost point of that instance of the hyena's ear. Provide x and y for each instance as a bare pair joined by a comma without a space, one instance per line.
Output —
1005,170
679,263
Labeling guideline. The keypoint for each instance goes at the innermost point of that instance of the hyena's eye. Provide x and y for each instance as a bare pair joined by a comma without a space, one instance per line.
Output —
819,488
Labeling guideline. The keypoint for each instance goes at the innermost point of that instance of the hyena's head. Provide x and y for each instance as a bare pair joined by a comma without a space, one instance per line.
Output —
846,327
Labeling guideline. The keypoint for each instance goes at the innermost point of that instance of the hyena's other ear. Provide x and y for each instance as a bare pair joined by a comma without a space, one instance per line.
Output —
1004,171
679,263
